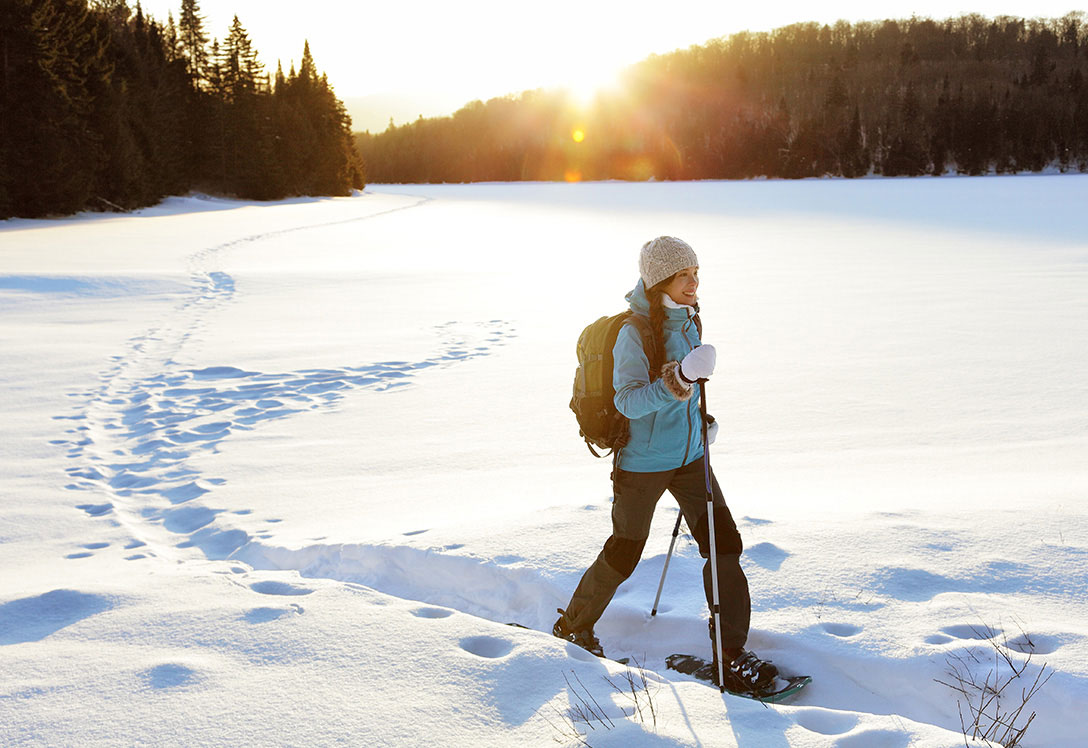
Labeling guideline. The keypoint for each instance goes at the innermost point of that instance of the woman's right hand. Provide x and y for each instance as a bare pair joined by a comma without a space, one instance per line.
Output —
699,364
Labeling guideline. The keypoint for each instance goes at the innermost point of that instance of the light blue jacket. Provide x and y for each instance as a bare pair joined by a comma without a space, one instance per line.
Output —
666,433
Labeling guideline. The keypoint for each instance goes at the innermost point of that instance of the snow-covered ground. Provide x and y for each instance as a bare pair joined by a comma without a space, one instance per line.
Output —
279,474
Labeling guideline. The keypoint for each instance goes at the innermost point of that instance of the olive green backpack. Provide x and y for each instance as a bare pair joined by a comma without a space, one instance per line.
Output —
593,402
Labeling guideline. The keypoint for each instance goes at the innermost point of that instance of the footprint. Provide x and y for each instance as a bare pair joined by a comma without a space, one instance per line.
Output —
79,555
279,588
756,521
213,428
843,630
267,615
977,632
1035,644
185,493
414,532
912,585
490,647
767,555
96,510
432,613
96,546
508,559
87,473
577,653
874,739
170,675
188,519
32,619
220,372
826,721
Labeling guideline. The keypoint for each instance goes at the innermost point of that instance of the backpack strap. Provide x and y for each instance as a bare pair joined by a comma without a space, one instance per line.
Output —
594,452
642,324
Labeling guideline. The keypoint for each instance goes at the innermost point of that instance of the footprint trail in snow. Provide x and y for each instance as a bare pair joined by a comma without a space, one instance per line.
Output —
134,437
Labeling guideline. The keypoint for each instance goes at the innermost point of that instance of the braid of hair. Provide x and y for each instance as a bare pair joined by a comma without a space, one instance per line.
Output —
657,326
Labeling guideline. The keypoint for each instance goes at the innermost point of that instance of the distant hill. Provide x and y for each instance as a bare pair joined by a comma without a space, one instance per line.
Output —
967,95
372,113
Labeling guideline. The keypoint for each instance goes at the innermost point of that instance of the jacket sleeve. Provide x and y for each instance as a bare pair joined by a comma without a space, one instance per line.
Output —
636,396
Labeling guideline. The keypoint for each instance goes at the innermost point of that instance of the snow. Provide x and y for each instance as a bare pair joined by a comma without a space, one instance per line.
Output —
282,473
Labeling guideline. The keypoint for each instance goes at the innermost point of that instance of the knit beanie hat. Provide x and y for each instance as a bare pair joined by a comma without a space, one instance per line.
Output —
662,257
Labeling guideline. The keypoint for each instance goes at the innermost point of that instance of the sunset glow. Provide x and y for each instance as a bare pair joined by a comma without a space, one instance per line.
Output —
431,58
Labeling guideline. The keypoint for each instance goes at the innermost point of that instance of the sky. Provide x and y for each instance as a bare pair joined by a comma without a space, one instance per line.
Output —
429,57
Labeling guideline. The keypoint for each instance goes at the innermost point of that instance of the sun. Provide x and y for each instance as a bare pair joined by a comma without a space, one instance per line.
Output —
591,79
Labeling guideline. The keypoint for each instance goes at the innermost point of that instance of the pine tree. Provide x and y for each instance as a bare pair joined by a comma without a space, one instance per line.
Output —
194,42
854,162
54,67
307,72
315,147
11,40
171,41
241,69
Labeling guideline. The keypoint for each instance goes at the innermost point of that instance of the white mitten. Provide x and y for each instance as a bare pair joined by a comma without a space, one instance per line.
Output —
699,364
711,430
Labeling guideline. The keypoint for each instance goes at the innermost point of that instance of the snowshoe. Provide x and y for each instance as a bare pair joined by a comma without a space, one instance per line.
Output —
779,689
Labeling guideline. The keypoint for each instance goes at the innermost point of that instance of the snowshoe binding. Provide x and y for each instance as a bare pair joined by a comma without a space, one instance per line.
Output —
584,639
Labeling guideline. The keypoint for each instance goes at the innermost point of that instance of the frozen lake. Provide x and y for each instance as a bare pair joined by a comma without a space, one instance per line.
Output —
365,399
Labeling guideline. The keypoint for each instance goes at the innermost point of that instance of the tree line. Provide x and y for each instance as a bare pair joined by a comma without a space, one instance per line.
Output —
969,95
105,108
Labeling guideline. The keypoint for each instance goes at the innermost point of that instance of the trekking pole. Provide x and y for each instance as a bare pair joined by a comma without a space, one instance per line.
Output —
715,609
665,570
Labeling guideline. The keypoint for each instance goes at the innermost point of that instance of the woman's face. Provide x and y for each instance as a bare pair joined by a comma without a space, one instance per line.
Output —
683,286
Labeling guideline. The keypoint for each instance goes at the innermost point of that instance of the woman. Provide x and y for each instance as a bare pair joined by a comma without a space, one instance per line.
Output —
665,453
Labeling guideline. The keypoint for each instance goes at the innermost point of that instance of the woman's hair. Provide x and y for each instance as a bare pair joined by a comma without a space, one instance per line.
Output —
657,325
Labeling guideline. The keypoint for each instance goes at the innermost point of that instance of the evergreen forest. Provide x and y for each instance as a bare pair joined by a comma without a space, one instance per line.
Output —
104,108
968,95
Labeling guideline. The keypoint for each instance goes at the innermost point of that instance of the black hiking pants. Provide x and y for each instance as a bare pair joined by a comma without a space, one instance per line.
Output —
635,497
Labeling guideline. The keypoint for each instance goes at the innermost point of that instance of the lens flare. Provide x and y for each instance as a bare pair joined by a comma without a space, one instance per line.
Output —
578,135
